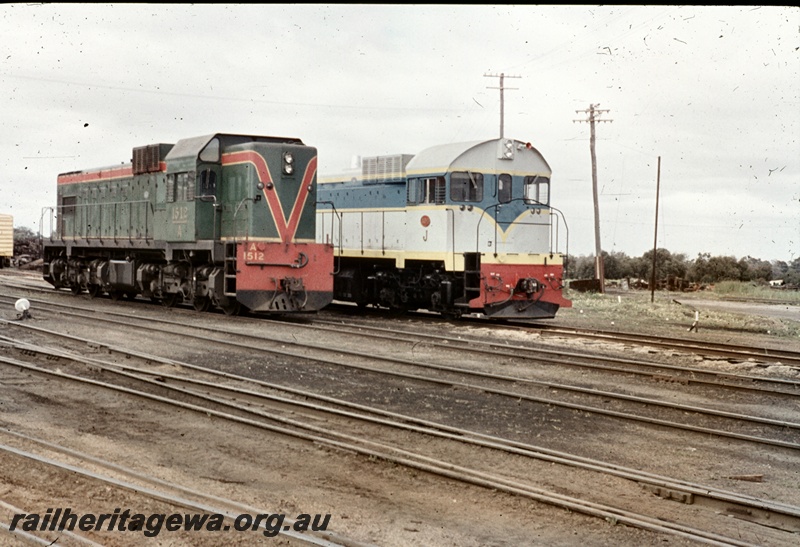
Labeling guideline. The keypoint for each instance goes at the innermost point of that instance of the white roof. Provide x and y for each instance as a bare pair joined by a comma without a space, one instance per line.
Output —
479,156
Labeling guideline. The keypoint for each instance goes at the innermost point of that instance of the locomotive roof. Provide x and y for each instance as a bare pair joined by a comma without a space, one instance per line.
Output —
482,156
477,156
191,147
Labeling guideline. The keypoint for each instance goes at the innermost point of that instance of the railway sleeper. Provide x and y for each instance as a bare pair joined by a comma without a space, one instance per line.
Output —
777,518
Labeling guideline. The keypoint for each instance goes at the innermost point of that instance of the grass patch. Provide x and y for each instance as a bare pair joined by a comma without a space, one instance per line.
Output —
739,289
633,312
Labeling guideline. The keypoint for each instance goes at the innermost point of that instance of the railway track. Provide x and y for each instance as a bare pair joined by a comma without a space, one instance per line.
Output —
782,430
601,402
706,348
176,498
781,518
306,349
128,323
712,349
491,346
734,352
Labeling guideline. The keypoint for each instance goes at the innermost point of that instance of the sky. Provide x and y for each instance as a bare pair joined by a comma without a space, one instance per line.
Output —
713,91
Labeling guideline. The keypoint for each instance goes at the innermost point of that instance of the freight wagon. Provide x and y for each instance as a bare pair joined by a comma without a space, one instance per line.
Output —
6,240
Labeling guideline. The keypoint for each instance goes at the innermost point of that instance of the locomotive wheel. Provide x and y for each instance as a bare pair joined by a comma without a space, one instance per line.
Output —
76,289
115,294
452,315
171,300
201,303
94,290
233,307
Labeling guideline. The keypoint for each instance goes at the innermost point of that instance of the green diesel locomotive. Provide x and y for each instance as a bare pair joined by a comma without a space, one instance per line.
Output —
223,220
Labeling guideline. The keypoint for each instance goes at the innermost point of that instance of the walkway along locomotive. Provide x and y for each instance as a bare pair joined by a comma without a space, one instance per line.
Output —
220,220
458,228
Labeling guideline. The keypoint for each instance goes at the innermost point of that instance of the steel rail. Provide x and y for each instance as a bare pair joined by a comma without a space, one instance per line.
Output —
432,465
416,377
228,508
707,347
765,512
541,355
497,348
684,344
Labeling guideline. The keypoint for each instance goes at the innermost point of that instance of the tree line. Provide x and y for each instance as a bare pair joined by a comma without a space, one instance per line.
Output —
705,268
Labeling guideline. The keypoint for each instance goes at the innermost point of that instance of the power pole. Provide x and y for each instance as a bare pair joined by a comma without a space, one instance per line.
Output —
655,236
599,272
501,88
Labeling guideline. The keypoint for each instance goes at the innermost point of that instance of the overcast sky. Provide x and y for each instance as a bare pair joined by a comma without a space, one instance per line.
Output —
713,91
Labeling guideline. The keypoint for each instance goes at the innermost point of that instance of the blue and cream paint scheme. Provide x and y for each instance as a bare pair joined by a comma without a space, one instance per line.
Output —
449,204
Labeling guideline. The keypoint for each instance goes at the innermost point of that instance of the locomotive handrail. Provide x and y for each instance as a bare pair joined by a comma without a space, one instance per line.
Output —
566,227
478,229
235,228
216,209
81,229
335,214
452,217
41,223
496,207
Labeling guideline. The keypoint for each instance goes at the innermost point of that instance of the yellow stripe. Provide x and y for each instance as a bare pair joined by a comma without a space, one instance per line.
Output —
265,239
452,262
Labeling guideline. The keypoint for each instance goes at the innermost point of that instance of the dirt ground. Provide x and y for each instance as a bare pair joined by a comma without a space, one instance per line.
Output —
369,501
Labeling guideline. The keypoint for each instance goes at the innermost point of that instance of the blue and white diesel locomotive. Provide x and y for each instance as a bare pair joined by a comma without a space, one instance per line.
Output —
458,228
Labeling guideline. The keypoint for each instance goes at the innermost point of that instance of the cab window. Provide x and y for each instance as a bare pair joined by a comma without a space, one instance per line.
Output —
413,192
504,188
180,187
466,186
211,152
434,190
537,190
208,183
426,190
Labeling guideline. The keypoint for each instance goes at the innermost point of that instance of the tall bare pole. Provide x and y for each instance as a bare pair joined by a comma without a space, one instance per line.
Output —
655,237
599,270
502,77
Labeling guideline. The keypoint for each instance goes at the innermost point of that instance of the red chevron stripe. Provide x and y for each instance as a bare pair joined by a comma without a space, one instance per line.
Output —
302,195
286,228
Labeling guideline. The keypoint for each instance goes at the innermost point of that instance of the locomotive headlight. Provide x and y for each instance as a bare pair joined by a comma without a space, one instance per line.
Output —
288,163
505,149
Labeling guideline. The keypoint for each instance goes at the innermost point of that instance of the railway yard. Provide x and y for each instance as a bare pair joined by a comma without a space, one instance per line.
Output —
400,429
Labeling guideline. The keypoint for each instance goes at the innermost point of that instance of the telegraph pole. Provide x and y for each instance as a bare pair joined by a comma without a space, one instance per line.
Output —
599,272
655,236
502,76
